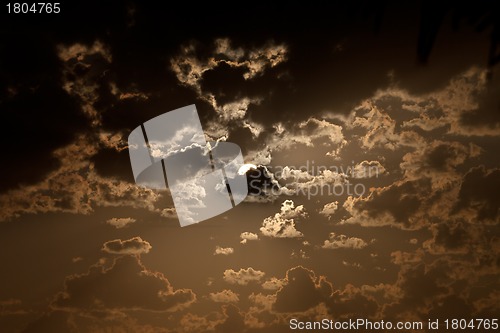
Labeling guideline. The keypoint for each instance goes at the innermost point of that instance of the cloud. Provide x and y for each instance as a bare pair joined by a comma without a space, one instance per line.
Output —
223,250
237,109
282,224
120,222
367,169
80,52
323,182
396,205
189,68
478,197
248,236
273,284
114,141
262,185
302,291
243,276
83,67
304,295
130,246
169,213
191,322
224,296
329,209
134,94
380,127
196,71
453,237
324,136
436,161
124,286
314,129
468,104
407,258
488,305
234,320
75,187
463,107
12,306
344,242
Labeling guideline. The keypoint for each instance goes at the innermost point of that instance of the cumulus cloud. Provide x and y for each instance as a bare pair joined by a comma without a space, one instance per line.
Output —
237,109
297,181
436,161
367,169
273,284
248,236
120,222
67,190
224,296
243,276
344,242
380,127
79,51
329,209
323,135
457,109
75,186
169,213
302,291
125,285
223,250
463,102
234,320
282,224
135,245
314,129
191,69
395,205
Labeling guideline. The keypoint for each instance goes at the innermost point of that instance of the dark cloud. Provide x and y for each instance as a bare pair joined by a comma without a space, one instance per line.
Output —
44,116
302,291
418,287
401,201
74,187
113,164
478,192
130,246
282,224
234,321
406,89
351,302
125,285
261,181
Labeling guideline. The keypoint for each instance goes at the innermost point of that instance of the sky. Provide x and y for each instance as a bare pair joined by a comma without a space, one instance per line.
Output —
373,127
